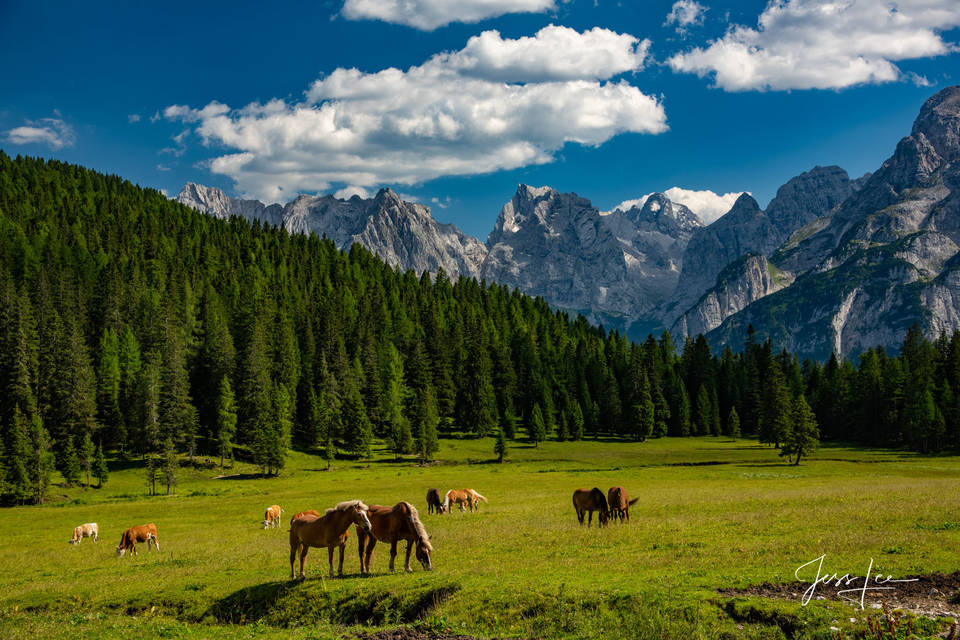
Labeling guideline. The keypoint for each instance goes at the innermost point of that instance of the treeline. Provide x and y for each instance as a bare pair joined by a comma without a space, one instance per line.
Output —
134,327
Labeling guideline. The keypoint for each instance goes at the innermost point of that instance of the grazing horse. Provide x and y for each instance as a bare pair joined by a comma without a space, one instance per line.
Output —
590,500
144,533
619,503
464,496
329,530
271,517
392,524
434,502
308,512
89,530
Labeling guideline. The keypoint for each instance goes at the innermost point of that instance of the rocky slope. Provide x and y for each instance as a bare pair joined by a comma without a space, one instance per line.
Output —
404,234
885,258
610,267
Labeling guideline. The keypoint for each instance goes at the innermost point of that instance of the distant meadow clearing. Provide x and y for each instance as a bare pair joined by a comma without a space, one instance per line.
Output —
713,513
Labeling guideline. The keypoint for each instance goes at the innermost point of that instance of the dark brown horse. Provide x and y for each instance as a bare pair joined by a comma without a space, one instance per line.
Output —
619,503
392,524
590,500
329,530
434,501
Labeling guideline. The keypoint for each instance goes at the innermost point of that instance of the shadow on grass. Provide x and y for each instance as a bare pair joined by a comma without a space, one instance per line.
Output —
244,476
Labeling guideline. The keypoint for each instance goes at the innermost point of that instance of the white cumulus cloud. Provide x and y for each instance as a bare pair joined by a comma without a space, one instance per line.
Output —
431,14
445,117
685,14
351,190
706,204
52,132
824,44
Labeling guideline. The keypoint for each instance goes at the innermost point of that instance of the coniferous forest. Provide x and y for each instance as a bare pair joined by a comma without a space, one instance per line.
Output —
132,327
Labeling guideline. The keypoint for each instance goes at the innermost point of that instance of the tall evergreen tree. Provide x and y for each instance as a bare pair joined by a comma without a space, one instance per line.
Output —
226,420
536,427
803,436
100,469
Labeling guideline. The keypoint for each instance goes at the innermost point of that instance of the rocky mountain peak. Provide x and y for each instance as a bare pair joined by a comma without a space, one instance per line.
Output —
658,207
939,123
744,209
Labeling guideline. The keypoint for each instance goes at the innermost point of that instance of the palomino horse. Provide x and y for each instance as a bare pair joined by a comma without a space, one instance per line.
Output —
434,502
329,530
462,497
392,524
590,500
619,503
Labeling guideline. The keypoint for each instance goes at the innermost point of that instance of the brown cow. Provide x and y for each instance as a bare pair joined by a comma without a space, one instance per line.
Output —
144,533
271,517
434,501
619,503
300,514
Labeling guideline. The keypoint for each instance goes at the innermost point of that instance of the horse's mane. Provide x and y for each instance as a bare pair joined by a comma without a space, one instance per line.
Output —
602,499
418,526
347,504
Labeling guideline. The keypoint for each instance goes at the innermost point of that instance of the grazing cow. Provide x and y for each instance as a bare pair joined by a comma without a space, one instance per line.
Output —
144,533
619,503
434,501
271,517
590,500
300,514
462,497
89,530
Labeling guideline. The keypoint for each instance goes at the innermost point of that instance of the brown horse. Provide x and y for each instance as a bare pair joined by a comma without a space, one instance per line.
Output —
392,524
434,502
619,503
329,530
590,500
462,497
308,512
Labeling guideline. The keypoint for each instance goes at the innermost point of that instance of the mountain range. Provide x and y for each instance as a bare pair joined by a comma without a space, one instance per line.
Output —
830,265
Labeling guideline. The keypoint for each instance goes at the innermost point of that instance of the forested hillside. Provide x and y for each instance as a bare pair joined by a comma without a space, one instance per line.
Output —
132,327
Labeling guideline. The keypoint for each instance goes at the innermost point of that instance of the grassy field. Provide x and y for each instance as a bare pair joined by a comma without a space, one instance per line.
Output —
711,513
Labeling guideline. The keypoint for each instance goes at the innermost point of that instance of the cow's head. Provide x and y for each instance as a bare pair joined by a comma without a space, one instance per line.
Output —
120,551
72,541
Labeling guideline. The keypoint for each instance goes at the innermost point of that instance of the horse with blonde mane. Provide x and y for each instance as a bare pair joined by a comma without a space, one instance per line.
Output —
588,501
462,497
619,503
392,524
329,530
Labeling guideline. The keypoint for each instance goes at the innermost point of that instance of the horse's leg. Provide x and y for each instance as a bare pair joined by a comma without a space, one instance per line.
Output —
294,547
304,548
407,560
361,543
330,558
343,547
393,553
590,517
370,545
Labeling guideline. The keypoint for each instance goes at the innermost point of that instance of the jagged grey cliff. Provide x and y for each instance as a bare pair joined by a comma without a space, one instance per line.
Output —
884,259
404,234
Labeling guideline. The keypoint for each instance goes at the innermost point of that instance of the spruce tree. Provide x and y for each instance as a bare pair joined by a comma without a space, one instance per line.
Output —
576,422
715,425
562,425
500,446
41,460
704,412
733,423
170,465
100,470
803,438
70,467
87,453
358,432
226,420
18,455
426,443
536,427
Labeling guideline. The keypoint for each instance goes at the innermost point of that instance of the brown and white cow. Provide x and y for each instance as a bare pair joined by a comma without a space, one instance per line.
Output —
89,530
144,533
271,517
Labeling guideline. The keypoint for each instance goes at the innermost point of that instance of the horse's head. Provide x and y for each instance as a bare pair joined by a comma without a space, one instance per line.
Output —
604,517
359,513
423,554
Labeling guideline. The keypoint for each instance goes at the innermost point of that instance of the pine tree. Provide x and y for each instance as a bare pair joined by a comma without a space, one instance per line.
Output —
41,460
152,472
661,413
536,428
358,432
733,423
803,438
226,420
576,422
108,387
715,425
395,396
562,425
17,458
170,465
87,453
644,412
426,443
775,416
500,446
100,470
704,413
278,433
683,412
509,423
329,449
70,467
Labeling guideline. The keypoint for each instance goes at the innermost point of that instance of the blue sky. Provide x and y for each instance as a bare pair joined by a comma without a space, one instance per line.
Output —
608,99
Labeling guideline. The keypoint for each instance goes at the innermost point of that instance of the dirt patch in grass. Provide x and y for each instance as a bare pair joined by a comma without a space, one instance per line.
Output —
931,595
410,634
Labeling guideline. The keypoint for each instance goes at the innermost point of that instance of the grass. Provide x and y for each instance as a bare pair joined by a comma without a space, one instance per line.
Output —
711,513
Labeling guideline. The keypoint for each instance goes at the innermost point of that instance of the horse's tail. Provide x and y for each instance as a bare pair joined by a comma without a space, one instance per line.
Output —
478,496
633,502
413,518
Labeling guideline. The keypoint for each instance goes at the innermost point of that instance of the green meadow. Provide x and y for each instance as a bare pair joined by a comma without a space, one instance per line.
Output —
712,513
